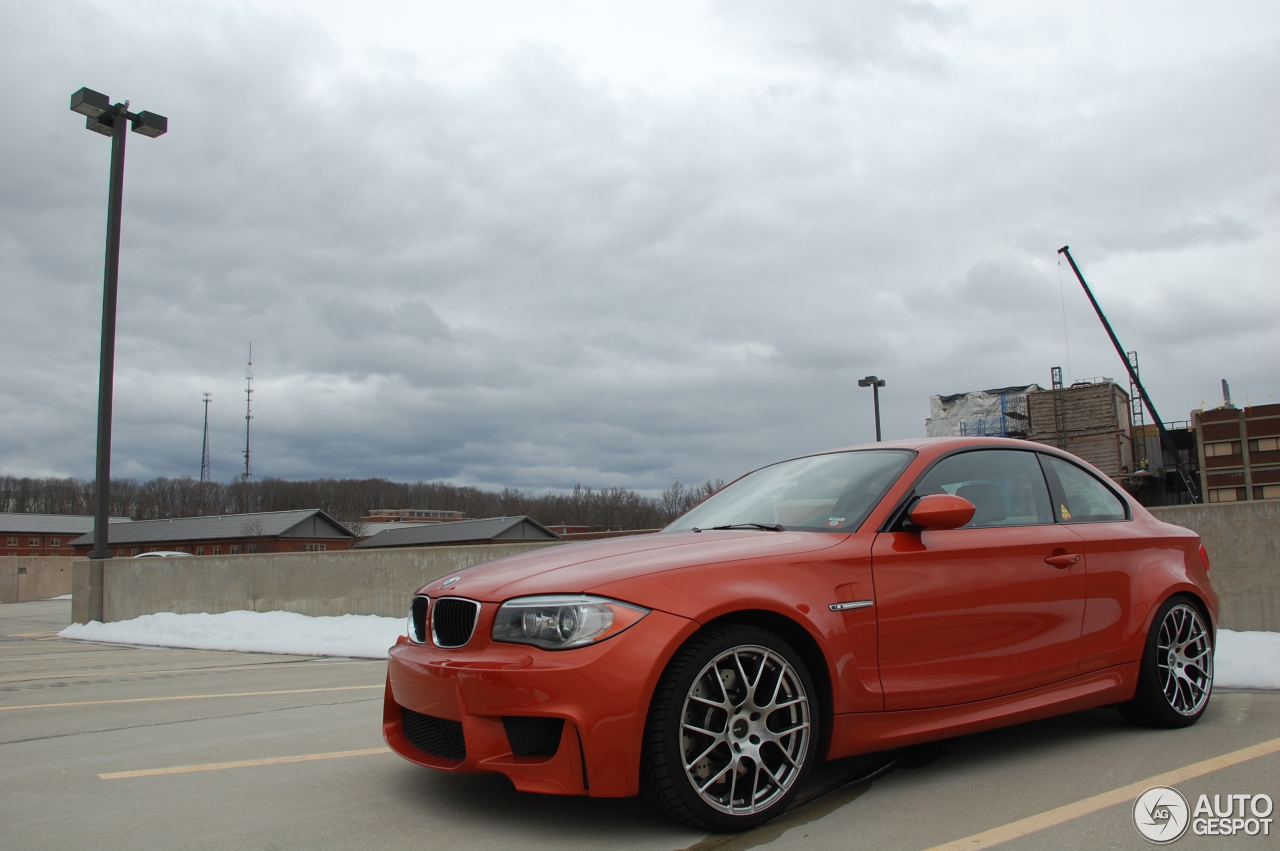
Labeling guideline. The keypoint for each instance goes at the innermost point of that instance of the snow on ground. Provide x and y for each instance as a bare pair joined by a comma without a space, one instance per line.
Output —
1247,660
362,636
1243,659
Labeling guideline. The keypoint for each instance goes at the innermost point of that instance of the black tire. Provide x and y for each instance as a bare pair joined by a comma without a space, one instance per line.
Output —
732,731
1176,676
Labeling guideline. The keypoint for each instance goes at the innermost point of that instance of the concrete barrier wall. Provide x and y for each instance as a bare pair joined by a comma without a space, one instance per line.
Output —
1243,541
27,578
360,582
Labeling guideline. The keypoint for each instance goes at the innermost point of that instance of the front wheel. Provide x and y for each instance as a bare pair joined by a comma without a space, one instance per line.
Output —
732,731
1176,676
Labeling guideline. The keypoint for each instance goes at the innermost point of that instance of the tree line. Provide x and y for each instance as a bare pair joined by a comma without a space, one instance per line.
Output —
347,500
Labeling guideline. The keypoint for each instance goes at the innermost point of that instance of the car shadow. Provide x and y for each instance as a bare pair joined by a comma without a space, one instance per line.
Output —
491,800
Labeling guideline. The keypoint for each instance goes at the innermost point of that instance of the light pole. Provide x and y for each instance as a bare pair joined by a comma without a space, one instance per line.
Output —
101,116
875,384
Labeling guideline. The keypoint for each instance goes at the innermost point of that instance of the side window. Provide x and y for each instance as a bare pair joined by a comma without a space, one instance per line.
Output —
1084,499
1006,486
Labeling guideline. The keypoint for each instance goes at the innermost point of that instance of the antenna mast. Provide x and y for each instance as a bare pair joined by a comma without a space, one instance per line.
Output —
204,459
248,412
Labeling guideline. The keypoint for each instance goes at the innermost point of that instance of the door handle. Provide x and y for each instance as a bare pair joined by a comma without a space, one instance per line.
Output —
1063,560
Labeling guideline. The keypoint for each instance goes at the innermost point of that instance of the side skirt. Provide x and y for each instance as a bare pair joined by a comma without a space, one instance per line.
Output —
865,732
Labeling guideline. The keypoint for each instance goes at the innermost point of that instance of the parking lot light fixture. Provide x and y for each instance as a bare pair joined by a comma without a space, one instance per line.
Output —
102,116
875,384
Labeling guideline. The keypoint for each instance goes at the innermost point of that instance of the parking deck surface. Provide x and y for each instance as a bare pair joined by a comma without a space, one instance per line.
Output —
128,747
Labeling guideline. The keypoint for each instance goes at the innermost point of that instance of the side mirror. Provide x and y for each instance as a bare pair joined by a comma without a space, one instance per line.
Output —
940,511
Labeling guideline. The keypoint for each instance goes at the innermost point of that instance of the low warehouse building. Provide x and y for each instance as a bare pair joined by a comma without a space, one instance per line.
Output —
44,534
488,531
304,530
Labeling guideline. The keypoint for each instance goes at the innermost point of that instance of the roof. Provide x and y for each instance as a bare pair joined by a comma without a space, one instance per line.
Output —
51,524
302,523
1020,389
370,528
462,531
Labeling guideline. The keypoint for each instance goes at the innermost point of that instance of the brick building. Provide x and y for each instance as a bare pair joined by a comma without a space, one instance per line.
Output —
306,530
1239,453
44,534
1088,419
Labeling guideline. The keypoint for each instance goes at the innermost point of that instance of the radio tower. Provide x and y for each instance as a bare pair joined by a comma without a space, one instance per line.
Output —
248,412
204,459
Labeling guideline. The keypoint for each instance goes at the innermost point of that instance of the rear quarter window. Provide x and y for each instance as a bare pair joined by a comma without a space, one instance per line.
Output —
1080,497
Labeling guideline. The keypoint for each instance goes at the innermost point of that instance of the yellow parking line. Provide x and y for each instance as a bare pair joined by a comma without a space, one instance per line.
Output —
244,763
105,651
185,697
1124,794
265,666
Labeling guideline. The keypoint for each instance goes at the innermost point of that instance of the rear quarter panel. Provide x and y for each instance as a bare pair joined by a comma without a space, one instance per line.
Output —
1133,567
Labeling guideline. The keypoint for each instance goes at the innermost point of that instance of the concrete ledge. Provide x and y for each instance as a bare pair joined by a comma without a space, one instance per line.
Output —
360,582
24,579
1243,542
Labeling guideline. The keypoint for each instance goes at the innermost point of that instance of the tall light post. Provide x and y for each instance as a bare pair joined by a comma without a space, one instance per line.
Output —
875,384
102,116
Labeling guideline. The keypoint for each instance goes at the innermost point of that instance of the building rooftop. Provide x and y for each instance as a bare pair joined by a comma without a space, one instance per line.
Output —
462,532
51,524
301,523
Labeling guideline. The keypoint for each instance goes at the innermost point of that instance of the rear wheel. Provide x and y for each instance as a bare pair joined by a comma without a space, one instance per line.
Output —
1176,677
732,731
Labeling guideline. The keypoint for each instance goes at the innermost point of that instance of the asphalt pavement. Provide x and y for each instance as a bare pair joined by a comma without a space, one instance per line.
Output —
129,747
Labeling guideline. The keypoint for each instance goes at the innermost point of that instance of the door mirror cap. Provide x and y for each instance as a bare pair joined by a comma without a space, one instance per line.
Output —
941,511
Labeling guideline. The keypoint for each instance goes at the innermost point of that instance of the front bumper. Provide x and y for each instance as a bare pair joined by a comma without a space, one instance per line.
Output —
566,722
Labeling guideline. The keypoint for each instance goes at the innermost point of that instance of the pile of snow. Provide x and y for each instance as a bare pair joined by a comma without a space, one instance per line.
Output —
1243,659
289,633
1247,660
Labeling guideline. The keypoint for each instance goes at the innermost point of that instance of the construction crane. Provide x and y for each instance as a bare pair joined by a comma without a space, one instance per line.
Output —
1166,440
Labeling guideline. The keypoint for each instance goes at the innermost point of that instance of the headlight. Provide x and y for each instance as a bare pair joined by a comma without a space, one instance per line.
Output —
561,621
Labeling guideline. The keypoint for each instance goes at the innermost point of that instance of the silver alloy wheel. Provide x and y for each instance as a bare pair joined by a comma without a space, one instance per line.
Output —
744,730
1184,660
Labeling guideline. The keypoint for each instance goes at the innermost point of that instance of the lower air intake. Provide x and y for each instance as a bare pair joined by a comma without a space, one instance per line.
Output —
438,737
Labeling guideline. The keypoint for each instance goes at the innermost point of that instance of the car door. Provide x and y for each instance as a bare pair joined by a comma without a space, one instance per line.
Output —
1117,550
992,608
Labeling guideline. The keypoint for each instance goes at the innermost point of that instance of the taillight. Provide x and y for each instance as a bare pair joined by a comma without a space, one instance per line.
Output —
1204,558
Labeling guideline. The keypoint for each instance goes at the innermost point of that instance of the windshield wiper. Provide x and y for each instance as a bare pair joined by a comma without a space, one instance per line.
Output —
764,526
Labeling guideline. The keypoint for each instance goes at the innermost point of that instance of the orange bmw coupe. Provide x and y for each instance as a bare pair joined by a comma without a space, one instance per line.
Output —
835,604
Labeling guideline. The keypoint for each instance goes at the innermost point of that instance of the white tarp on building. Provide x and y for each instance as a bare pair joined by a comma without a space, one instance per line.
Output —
1001,412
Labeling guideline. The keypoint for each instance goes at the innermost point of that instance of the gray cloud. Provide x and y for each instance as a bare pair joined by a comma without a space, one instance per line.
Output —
540,275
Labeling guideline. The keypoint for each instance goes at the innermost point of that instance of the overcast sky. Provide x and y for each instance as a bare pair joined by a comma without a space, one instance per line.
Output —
534,244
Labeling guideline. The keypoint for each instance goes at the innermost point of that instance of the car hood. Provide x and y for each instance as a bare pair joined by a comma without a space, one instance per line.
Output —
581,567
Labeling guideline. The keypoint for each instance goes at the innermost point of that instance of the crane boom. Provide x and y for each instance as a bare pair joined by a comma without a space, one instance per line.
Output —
1166,440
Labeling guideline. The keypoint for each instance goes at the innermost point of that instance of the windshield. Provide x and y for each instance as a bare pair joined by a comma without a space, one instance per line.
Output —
821,493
